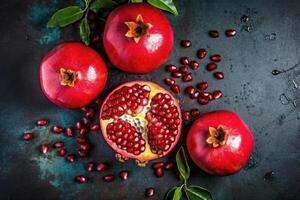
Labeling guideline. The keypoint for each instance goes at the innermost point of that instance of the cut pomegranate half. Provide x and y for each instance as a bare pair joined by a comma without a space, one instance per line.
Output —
140,120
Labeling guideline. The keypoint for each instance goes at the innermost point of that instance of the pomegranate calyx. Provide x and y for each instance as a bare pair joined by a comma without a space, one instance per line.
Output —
67,77
217,136
137,29
141,163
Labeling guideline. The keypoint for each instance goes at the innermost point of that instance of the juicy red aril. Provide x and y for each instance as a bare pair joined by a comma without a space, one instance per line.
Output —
195,95
42,122
208,94
90,166
211,66
219,75
217,94
169,81
186,115
183,69
108,178
150,192
159,172
230,32
69,132
124,175
80,179
94,127
81,152
84,109
169,166
102,167
157,165
57,129
83,131
62,152
175,89
195,112
28,136
203,85
214,33
45,148
203,100
80,139
190,90
58,144
79,125
86,121
201,53
171,68
70,157
176,74
90,112
215,58
184,60
194,65
186,43
188,77
85,146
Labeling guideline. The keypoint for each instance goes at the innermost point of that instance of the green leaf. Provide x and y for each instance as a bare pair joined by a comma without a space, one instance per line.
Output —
182,164
136,1
177,193
170,194
198,193
174,193
166,5
85,31
65,16
100,4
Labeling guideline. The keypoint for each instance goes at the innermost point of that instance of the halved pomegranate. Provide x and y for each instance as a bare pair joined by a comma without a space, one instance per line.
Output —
140,120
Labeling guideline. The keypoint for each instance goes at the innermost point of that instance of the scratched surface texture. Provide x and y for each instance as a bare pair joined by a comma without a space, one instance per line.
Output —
268,38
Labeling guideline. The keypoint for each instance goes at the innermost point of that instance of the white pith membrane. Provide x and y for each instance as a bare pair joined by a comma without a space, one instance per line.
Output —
139,122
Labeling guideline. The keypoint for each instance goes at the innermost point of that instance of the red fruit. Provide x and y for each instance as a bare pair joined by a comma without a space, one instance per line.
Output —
28,136
176,74
213,34
70,158
186,115
186,43
62,152
195,95
80,139
207,94
157,165
171,68
203,85
203,99
80,179
42,122
169,81
195,112
108,178
211,66
188,77
194,64
137,113
45,148
82,152
220,142
144,32
90,113
90,166
83,131
230,32
169,166
124,175
79,125
184,60
219,75
94,127
150,192
159,172
215,58
57,129
72,75
201,53
190,90
85,146
86,121
217,94
183,69
102,167
58,144
175,89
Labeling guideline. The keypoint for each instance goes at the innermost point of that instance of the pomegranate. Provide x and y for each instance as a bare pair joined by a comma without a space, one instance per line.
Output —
72,75
137,38
140,120
220,142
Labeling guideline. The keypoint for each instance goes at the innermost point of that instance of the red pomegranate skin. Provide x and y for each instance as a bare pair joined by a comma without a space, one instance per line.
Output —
228,158
150,52
90,69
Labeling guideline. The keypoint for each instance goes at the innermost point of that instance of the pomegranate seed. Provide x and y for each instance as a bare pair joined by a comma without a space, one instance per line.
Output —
90,112
203,100
169,81
171,68
70,158
124,175
217,94
195,112
79,125
84,109
203,86
150,192
94,127
85,146
80,179
175,89
183,69
176,74
201,53
102,167
184,60
159,172
211,66
58,144
57,129
28,136
157,165
208,94
215,58
195,95
45,148
83,131
213,33
86,121
219,75
169,166
108,178
186,43
186,115
81,152
230,32
188,77
62,152
194,65
69,132
42,122
80,139
90,166
190,90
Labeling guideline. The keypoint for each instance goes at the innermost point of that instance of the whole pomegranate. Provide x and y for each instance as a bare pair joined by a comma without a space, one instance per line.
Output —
220,142
140,120
72,75
137,38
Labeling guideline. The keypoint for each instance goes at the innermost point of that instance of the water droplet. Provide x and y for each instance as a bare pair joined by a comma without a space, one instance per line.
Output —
269,176
276,72
284,99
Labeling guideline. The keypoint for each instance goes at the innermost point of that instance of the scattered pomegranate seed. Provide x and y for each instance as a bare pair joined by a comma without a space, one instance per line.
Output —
28,136
83,131
217,94
171,68
203,85
94,127
230,32
70,158
90,166
150,192
208,94
81,152
84,109
211,66
195,112
219,75
190,90
85,146
79,125
215,58
214,33
186,115
62,152
80,179
194,64
186,43
58,144
102,167
69,132
169,81
183,69
188,77
159,172
45,148
195,95
176,74
108,178
175,89
201,53
57,129
80,139
157,165
203,99
184,60
42,122
169,166
124,175
90,112
86,121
